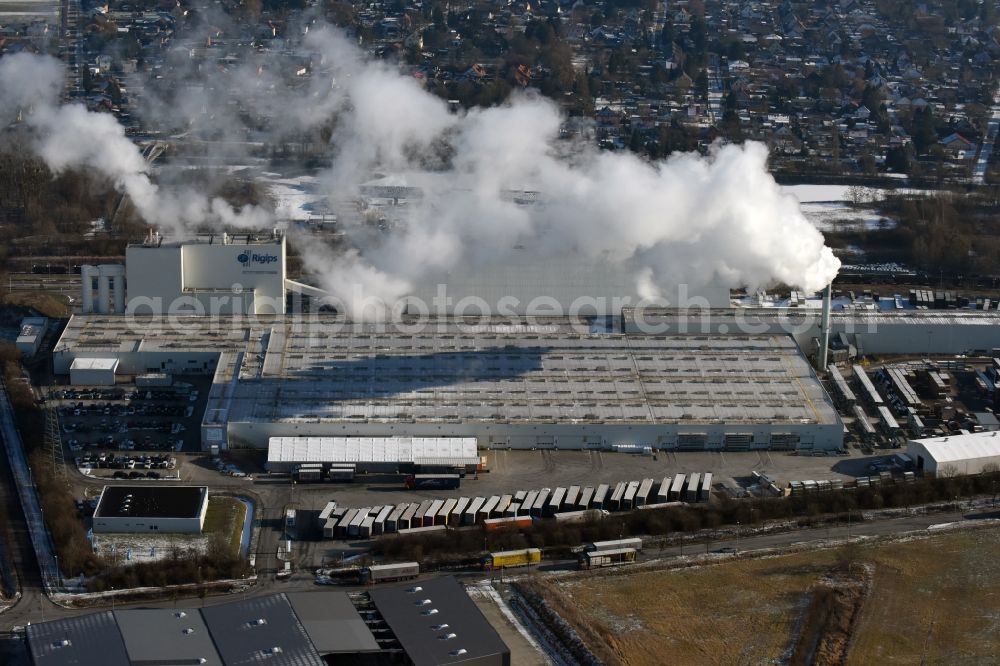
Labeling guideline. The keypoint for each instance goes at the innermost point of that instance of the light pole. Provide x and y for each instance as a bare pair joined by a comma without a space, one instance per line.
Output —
737,536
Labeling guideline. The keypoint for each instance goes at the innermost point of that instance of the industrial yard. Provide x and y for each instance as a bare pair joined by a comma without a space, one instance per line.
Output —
224,528
917,609
510,384
317,349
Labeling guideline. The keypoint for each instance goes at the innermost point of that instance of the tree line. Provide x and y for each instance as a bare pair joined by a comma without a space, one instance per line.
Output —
69,538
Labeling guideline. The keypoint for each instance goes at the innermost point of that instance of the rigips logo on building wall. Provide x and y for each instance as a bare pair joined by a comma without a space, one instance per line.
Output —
248,258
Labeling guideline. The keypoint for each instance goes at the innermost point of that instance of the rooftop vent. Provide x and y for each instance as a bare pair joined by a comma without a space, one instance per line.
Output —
416,589
448,637
439,627
180,614
459,652
432,611
63,643
423,602
188,631
256,623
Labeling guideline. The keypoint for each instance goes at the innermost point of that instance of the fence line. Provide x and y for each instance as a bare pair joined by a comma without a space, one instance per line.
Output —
41,541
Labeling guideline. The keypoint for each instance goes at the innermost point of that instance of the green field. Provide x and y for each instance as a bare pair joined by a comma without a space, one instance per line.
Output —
225,515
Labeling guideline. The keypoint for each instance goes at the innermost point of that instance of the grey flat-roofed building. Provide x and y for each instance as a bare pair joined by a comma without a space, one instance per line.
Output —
87,640
871,331
332,622
522,385
261,630
163,509
437,623
159,636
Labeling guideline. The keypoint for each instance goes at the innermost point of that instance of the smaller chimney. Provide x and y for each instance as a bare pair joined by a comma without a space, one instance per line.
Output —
824,325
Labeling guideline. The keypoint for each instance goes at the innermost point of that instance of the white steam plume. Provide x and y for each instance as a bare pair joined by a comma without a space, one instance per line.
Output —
70,136
688,219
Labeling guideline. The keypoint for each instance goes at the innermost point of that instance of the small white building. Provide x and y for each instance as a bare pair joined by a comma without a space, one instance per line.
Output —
151,509
93,371
956,454
29,339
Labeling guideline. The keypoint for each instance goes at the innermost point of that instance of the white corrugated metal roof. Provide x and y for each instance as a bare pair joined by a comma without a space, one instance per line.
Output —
961,447
418,450
94,364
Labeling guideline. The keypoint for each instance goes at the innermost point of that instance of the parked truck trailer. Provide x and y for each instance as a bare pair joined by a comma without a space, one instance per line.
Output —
583,516
607,558
514,522
433,481
384,573
633,542
512,558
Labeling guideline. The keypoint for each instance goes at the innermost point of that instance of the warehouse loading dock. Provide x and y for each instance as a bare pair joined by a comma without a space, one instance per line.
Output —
374,454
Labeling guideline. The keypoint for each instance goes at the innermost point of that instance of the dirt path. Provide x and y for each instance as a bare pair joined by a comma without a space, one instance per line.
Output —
832,615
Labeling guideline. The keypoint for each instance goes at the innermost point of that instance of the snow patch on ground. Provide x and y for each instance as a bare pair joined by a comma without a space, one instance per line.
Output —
485,589
295,198
838,216
140,548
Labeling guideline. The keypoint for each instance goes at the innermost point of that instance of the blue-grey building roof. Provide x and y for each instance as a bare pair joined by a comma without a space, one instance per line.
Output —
87,640
437,623
165,635
332,622
260,630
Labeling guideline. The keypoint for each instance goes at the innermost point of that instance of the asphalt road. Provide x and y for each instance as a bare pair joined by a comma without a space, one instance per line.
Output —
749,542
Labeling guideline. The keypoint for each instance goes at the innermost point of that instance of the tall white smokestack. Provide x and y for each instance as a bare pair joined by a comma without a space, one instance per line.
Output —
87,274
824,339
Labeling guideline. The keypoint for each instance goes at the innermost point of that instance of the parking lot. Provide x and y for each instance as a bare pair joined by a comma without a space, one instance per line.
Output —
128,466
134,432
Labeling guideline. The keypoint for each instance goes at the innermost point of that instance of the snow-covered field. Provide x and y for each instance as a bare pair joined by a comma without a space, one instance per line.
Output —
836,215
294,197
136,548
826,206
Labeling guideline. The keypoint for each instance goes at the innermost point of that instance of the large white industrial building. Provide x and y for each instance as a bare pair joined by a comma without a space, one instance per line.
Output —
517,385
373,454
715,378
971,453
210,275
